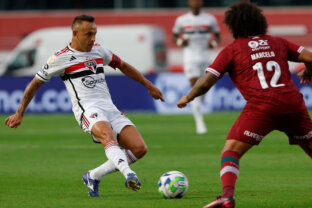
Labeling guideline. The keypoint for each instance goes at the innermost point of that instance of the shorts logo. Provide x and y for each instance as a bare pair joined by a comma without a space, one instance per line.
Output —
90,82
253,135
94,115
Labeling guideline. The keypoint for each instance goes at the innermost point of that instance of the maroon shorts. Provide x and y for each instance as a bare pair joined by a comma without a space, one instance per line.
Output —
252,125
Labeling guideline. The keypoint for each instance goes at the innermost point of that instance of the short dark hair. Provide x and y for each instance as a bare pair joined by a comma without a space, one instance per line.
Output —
83,17
245,19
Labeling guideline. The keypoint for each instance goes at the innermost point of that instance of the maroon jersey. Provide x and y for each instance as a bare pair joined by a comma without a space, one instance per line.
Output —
259,69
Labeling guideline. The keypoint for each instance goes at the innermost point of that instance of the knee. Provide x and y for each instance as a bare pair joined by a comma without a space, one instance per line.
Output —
105,136
139,151
236,146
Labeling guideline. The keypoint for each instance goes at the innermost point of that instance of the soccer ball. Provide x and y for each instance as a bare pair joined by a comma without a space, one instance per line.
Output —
173,184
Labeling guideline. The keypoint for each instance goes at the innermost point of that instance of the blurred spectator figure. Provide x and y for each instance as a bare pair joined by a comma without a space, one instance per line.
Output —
194,32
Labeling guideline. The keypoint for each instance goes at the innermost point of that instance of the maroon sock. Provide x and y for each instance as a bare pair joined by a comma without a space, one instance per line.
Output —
229,172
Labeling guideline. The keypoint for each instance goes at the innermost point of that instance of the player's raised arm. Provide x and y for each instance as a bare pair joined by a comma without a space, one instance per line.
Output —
134,74
202,85
15,120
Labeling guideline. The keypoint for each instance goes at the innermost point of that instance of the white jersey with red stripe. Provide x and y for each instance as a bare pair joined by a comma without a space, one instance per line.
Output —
197,30
83,75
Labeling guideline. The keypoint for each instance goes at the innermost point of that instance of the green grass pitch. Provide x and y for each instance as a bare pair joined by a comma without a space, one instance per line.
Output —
41,164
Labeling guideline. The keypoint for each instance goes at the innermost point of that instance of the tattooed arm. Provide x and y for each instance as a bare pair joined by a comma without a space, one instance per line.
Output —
15,120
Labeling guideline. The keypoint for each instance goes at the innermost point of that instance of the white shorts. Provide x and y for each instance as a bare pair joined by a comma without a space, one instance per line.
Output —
114,117
195,69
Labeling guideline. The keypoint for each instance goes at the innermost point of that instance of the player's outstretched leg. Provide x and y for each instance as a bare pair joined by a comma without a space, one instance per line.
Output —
93,185
229,171
102,131
109,167
118,157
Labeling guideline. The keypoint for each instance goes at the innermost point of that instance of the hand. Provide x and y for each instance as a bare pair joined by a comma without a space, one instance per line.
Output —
182,42
183,102
304,78
14,121
212,44
155,93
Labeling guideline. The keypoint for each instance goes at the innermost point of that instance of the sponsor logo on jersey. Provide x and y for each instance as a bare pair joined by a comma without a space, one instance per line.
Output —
90,82
257,137
253,44
72,58
258,45
44,70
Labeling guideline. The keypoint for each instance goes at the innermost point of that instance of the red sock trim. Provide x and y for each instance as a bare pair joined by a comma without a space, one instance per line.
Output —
111,144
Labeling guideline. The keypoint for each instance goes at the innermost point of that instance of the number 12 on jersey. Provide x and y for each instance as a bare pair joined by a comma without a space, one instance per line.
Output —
269,66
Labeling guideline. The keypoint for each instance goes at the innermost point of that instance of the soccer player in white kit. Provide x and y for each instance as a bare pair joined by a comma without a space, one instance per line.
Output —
193,31
81,66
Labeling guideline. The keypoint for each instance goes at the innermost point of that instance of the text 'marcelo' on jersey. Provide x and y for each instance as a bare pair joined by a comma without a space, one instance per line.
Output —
258,66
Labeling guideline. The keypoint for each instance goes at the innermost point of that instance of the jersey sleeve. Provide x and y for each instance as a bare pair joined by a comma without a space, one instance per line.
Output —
177,28
222,63
111,59
293,50
54,66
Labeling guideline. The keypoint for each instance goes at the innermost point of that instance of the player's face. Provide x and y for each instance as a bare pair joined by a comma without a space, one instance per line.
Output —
195,5
85,35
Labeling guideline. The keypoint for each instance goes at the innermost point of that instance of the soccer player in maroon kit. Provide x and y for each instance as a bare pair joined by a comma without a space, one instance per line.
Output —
257,64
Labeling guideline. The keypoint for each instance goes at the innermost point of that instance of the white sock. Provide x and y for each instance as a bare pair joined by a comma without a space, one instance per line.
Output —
198,116
130,156
117,157
109,167
196,108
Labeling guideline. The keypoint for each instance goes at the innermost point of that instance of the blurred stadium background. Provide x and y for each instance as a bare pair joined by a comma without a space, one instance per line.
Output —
160,59
42,161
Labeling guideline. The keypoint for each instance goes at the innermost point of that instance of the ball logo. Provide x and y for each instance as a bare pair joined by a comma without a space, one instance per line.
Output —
253,44
90,82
